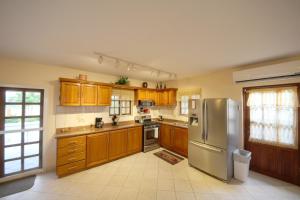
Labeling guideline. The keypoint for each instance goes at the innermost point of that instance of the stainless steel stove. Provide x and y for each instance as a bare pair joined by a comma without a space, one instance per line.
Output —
151,134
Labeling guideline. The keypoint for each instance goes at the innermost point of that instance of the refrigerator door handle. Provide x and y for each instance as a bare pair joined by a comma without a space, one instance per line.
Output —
203,120
206,121
207,147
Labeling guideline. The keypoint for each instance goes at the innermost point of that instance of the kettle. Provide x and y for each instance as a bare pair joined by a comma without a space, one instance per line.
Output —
98,122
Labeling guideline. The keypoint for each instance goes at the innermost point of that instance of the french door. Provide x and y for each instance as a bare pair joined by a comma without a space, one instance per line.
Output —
21,128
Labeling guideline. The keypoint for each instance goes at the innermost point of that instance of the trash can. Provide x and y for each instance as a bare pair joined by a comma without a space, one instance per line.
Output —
241,164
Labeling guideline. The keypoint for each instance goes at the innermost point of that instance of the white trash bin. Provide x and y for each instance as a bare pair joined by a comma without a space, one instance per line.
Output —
241,164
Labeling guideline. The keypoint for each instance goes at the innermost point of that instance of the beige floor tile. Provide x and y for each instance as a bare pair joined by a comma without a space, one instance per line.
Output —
166,195
165,184
128,194
183,186
117,180
147,194
185,196
109,193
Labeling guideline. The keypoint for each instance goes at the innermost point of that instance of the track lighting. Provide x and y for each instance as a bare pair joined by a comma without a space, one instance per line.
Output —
132,66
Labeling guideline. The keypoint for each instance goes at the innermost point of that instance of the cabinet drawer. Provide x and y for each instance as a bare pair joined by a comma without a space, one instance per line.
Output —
70,158
70,150
71,141
70,168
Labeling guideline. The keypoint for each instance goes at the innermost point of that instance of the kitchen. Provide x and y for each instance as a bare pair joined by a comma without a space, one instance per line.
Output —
95,105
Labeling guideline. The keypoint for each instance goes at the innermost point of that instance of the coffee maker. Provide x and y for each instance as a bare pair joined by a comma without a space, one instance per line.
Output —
98,122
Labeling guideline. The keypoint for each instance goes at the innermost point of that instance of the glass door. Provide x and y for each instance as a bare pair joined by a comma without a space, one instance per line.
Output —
21,126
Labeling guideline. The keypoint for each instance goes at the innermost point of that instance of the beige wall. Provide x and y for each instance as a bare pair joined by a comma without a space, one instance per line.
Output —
220,85
32,75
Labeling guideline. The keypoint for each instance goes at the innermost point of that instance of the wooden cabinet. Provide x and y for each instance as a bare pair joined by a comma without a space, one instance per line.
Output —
70,94
142,94
134,140
172,97
165,136
117,144
71,154
164,98
88,95
180,141
97,148
104,95
152,95
174,138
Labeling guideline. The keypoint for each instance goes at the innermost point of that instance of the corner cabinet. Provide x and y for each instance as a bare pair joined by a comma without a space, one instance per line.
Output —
70,94
174,138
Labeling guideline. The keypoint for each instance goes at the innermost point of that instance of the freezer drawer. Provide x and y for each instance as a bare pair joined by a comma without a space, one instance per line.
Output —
208,159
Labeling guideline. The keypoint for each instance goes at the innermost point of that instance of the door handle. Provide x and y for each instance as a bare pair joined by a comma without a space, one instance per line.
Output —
207,147
206,121
203,120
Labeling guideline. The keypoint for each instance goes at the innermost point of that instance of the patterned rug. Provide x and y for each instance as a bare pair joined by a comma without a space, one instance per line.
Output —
168,156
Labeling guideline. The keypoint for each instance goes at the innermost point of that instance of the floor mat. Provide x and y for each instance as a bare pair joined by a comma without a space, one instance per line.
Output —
16,186
169,157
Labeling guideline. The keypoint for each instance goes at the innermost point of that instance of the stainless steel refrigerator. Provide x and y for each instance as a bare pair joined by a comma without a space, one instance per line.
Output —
213,136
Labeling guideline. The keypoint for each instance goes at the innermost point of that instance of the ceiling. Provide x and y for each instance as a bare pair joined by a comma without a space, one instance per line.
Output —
188,37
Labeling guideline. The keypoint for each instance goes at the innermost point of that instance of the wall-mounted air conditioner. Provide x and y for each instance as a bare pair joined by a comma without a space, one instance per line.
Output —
284,70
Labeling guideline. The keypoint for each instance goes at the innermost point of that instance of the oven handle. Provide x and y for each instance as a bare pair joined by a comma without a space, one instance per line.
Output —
146,129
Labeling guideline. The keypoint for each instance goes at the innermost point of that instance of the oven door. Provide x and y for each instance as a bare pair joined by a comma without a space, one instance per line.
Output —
150,135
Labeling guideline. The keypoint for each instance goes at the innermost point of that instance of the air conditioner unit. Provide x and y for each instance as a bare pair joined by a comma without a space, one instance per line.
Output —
284,70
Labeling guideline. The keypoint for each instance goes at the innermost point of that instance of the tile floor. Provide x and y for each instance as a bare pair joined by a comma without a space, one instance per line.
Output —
143,176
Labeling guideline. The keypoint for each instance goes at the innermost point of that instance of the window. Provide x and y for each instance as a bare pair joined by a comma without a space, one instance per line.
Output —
118,106
273,116
184,105
22,127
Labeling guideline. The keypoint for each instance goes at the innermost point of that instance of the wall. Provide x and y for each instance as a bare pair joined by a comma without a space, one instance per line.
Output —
17,73
220,84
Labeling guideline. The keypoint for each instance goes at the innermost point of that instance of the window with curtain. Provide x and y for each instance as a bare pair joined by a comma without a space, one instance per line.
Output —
273,116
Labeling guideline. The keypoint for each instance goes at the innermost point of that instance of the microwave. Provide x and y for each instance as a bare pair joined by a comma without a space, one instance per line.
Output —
146,103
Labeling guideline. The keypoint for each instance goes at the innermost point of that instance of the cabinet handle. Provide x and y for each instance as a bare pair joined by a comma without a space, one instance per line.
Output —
72,143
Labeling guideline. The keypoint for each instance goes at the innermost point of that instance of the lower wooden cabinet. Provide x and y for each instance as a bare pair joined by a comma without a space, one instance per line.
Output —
97,148
165,136
134,143
174,138
117,144
80,152
180,141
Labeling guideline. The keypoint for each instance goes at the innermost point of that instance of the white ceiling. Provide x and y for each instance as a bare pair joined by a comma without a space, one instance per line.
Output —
188,37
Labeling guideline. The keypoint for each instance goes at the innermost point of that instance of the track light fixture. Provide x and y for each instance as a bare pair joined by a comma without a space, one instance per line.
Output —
132,66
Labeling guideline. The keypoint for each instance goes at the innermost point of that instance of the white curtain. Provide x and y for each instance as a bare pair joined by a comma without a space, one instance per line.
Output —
273,116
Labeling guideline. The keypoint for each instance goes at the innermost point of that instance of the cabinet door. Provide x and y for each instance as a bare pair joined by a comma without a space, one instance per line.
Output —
165,136
180,141
158,98
88,95
70,94
97,149
104,95
165,98
152,95
117,144
172,97
134,140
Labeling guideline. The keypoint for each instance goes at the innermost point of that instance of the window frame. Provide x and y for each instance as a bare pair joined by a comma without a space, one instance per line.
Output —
22,131
246,117
180,105
120,106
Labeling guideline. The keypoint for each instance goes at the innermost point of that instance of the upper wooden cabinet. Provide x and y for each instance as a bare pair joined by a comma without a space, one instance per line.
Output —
172,97
165,97
70,94
104,95
88,95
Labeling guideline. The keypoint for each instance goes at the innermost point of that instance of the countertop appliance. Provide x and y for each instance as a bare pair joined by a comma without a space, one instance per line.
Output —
98,122
213,136
150,134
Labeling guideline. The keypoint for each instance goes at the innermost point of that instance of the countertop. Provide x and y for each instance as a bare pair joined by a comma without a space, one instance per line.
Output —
173,122
85,130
